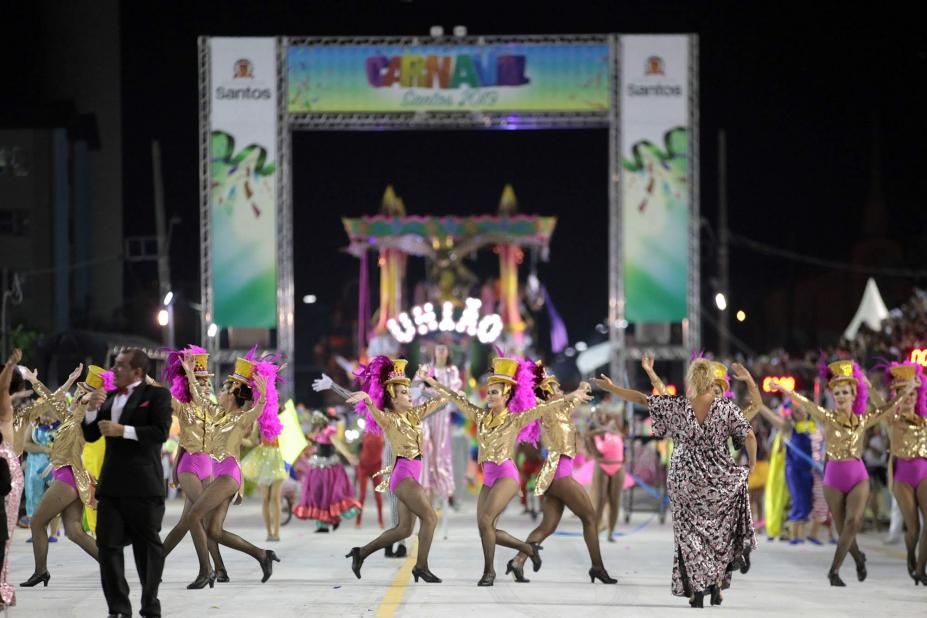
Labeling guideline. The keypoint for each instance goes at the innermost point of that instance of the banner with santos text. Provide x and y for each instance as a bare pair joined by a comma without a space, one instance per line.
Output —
242,181
655,180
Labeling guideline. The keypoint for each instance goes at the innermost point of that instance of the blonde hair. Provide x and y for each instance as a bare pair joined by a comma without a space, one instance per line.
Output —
698,378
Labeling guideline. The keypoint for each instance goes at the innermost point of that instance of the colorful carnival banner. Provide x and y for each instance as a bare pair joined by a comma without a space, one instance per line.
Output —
655,176
243,192
502,78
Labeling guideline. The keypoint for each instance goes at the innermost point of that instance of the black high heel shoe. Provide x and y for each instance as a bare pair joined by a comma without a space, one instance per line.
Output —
487,579
518,571
222,576
356,561
202,581
35,578
834,578
921,579
602,574
267,564
535,556
697,599
861,571
715,595
426,575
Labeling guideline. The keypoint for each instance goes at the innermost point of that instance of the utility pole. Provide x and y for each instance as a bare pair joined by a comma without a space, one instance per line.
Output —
164,265
723,240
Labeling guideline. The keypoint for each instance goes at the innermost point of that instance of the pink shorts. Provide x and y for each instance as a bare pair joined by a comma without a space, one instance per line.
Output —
845,475
405,469
65,475
197,464
492,472
564,467
911,471
227,467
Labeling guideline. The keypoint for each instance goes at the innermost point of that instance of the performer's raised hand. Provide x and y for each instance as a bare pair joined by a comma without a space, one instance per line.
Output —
358,397
322,384
603,382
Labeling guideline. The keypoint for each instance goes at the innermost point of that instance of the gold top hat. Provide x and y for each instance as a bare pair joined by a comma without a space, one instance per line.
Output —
398,374
503,370
547,380
94,379
841,371
201,365
244,371
719,375
903,373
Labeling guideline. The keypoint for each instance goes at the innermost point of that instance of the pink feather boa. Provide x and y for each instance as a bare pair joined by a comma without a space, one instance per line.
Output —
174,375
370,378
266,367
921,405
523,398
109,381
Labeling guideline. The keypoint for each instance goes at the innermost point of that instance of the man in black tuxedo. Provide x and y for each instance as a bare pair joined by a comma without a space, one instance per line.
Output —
135,419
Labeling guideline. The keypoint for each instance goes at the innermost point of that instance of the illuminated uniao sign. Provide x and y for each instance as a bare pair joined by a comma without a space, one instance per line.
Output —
425,320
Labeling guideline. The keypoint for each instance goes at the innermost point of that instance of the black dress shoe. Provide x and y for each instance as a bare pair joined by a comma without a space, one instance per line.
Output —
37,578
426,575
356,561
400,551
602,574
517,571
267,564
202,581
535,556
222,576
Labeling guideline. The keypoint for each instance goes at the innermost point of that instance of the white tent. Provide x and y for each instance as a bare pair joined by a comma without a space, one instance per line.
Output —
871,311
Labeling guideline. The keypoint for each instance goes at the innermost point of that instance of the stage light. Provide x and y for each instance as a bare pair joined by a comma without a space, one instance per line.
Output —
460,31
351,434
581,346
168,298
361,423
436,31
570,352
163,317
720,301
309,299
212,330
741,315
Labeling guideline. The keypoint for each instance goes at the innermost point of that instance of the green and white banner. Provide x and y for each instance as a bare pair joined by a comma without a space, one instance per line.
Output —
242,181
655,176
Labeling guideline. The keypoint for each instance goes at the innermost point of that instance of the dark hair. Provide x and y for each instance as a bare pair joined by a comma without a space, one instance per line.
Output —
243,395
137,359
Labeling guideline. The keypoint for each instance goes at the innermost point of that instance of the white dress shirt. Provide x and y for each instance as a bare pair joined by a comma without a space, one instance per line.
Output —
119,403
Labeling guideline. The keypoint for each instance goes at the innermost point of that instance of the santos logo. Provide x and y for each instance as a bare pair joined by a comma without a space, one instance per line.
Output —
654,66
243,69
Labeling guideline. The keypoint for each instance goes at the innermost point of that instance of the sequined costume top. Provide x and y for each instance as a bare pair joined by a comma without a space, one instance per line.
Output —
498,432
26,413
559,438
404,429
68,446
193,420
226,431
844,433
908,435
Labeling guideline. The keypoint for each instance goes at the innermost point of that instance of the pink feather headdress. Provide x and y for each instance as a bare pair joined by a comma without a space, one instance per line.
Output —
266,366
371,378
174,375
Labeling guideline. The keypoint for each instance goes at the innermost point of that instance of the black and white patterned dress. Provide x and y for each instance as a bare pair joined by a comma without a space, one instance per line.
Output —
712,524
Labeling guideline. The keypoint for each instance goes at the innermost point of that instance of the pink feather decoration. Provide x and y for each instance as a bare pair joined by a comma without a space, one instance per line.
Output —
269,422
370,378
174,375
523,398
109,381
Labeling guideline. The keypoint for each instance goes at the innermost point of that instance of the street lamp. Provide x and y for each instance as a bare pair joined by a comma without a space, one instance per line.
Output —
720,301
741,315
163,317
168,298
212,330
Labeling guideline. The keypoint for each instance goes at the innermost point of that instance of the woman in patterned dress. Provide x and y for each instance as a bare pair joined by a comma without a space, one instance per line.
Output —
712,525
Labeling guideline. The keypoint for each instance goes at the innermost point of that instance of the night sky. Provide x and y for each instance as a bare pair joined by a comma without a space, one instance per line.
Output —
803,98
